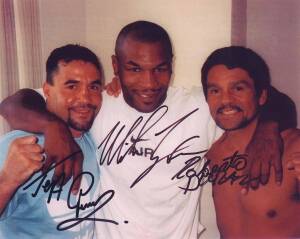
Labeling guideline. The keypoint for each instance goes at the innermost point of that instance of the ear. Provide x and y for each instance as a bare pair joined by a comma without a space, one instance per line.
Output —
46,89
115,64
263,97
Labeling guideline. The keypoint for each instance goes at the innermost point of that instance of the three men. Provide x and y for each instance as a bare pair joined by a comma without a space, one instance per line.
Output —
236,83
148,140
31,206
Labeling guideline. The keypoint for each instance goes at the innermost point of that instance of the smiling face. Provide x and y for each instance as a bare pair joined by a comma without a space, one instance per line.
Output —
231,97
144,71
75,95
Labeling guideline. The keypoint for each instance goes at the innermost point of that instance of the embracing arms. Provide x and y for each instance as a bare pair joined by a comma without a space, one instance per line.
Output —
26,110
265,148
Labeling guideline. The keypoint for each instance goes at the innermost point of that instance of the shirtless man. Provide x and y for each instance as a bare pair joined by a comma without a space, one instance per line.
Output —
236,82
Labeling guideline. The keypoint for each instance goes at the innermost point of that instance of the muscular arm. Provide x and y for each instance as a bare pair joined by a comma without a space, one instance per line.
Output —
265,148
26,110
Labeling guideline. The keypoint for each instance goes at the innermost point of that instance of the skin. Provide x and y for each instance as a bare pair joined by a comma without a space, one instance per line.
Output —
144,71
268,211
75,97
231,97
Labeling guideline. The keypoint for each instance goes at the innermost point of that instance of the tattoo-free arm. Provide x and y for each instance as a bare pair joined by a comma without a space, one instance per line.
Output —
26,110
113,88
265,148
264,151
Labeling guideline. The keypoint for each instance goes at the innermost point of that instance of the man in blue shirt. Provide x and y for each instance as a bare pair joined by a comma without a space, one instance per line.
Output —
31,205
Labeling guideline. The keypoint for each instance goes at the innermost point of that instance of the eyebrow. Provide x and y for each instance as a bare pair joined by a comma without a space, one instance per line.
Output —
132,63
135,64
98,82
163,64
242,82
211,85
71,81
235,83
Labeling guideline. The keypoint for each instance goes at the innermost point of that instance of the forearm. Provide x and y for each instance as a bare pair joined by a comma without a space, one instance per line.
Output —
266,136
26,110
7,190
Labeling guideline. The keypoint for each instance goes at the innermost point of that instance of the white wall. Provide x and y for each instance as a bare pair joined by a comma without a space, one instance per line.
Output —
196,27
62,22
273,30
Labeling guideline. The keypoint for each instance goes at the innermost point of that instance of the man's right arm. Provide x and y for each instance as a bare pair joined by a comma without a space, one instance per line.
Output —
26,110
23,159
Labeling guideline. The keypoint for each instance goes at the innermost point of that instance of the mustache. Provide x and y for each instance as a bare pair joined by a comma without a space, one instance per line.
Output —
83,106
228,106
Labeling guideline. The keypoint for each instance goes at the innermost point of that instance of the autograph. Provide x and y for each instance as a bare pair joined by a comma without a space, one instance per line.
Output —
115,148
49,186
110,150
215,174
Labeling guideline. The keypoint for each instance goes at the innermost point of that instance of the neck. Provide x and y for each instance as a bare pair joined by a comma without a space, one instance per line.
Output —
239,139
76,133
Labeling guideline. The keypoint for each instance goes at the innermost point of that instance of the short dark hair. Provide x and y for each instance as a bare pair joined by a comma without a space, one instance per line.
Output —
144,31
239,57
69,53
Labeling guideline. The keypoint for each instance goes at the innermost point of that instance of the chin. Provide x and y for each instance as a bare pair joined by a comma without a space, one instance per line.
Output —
231,127
81,126
147,108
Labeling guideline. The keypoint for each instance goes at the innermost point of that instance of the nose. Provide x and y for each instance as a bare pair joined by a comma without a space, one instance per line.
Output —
83,95
149,81
226,97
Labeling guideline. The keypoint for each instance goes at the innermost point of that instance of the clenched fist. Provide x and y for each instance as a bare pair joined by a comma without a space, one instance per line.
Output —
24,158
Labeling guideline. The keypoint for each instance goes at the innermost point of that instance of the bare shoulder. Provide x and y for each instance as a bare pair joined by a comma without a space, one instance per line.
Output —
219,150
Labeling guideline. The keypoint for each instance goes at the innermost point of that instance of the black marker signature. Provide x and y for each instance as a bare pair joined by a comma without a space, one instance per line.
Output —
110,150
215,174
98,204
50,186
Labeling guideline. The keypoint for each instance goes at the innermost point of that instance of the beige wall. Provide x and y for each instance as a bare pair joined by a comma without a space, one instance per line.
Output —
62,22
273,30
196,27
